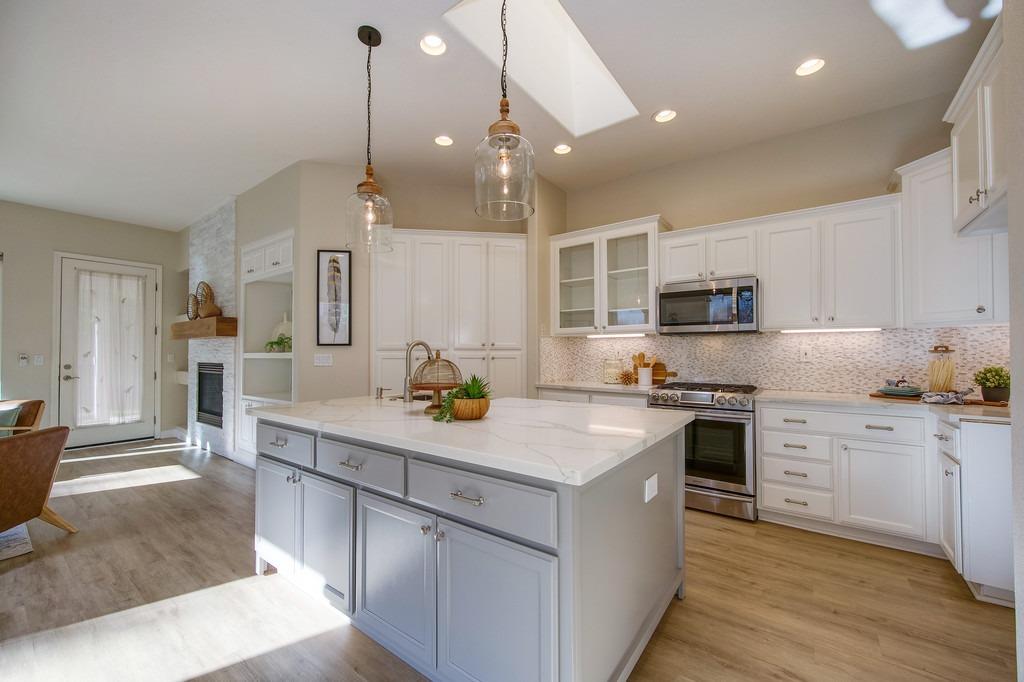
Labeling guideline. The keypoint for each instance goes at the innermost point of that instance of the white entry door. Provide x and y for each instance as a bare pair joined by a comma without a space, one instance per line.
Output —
107,360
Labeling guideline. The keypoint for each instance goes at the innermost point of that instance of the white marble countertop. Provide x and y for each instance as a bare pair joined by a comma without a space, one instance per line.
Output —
594,387
949,412
571,443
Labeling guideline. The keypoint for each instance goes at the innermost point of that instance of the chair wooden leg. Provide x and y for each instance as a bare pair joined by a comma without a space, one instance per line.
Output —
55,519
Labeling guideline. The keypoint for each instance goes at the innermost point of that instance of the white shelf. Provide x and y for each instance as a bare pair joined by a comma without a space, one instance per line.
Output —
576,280
624,271
267,356
622,310
577,310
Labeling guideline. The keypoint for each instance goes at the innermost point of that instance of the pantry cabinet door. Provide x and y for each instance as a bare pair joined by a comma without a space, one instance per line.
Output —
506,294
966,144
682,258
392,296
430,291
469,294
881,487
789,269
949,279
732,253
485,632
859,268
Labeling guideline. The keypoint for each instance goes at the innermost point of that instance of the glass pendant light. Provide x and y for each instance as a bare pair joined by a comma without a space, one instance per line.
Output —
370,221
503,173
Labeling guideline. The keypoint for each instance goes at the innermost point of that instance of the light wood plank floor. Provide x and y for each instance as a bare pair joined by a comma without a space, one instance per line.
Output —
158,585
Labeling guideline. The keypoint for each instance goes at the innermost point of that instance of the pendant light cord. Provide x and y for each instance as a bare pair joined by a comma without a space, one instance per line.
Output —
369,91
504,52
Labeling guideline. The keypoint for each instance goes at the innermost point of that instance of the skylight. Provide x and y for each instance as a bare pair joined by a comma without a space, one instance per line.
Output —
552,61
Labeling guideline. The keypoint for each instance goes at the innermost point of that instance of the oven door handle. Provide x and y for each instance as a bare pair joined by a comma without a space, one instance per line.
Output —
721,415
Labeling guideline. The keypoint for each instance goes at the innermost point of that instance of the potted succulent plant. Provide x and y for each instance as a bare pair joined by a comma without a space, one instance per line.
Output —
994,382
471,400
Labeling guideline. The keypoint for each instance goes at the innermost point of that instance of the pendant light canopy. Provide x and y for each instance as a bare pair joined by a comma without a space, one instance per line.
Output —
503,173
370,220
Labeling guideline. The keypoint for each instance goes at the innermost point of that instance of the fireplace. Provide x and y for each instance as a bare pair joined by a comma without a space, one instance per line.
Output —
210,402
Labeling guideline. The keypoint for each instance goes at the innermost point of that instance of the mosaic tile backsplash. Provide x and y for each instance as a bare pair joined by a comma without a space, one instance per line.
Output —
854,362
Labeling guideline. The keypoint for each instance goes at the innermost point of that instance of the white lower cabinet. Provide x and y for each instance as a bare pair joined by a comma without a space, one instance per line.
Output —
986,497
484,633
303,528
503,369
950,532
565,395
881,487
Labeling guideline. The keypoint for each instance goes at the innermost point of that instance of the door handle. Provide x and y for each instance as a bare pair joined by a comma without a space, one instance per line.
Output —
68,377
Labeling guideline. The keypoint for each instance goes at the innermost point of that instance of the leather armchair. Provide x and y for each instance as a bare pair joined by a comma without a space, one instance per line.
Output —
29,416
28,465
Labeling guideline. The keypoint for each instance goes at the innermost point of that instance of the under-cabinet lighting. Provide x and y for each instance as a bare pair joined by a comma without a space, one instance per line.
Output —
823,331
636,335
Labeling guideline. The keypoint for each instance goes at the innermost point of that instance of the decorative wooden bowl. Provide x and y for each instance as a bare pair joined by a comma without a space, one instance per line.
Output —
470,408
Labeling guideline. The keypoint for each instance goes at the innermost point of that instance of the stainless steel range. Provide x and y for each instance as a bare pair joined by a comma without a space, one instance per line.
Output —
719,444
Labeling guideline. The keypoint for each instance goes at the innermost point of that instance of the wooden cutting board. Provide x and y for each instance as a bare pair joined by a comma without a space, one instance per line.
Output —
659,374
917,399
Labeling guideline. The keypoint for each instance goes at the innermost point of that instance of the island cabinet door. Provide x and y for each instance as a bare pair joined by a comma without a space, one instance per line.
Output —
497,608
327,538
277,509
396,577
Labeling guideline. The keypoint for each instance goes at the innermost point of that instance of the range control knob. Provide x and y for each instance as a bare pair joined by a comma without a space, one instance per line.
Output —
653,397
674,398
664,396
720,400
732,400
744,402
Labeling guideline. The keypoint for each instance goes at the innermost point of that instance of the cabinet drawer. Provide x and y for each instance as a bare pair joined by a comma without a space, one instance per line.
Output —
796,445
795,472
797,501
521,510
873,426
380,470
949,441
285,444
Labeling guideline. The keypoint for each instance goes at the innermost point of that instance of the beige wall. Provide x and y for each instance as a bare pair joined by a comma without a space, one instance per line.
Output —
548,220
848,160
29,237
1013,80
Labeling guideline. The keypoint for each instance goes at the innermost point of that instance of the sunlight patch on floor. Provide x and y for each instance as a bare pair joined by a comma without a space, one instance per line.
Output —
122,479
175,639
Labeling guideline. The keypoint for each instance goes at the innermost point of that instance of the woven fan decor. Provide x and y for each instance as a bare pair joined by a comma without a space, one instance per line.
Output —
207,306
192,307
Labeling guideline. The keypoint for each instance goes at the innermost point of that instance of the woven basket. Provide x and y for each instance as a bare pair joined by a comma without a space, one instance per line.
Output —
466,409
207,307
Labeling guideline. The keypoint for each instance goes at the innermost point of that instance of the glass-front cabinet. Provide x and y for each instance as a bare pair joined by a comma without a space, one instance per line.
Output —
603,279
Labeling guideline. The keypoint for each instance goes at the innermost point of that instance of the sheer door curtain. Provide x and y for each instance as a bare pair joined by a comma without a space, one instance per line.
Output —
111,313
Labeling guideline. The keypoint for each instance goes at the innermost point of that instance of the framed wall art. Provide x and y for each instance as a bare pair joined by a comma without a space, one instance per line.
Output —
333,297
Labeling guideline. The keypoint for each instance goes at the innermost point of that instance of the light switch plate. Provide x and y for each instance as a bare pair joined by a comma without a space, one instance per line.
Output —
22,359
323,360
650,488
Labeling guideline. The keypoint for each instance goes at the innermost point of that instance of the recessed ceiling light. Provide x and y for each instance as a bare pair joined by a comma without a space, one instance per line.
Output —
433,45
562,149
810,66
443,141
664,116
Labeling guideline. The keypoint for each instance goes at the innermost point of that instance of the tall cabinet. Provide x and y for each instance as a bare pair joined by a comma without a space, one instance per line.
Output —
464,293
604,278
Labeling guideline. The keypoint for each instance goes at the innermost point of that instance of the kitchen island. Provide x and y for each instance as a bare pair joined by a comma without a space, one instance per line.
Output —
543,542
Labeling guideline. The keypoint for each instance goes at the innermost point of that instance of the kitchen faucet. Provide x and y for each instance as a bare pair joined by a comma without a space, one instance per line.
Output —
407,393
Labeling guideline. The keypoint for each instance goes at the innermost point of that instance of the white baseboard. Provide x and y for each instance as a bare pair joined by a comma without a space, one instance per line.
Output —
178,432
868,536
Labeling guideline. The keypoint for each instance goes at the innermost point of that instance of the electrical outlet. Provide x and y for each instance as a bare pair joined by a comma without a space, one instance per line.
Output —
37,361
323,360
805,354
650,488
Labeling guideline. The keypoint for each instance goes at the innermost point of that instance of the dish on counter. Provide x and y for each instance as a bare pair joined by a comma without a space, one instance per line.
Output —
903,391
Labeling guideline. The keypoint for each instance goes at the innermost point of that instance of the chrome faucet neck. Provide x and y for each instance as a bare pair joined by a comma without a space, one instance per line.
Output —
407,392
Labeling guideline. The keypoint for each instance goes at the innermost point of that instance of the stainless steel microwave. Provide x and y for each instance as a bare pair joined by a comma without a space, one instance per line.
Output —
725,305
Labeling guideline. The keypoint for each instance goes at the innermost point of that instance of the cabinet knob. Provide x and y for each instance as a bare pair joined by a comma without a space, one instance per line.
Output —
831,318
712,273
947,472
425,529
438,536
814,319
700,274
980,309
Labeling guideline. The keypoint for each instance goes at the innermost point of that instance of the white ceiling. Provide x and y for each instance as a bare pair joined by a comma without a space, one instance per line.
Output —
155,112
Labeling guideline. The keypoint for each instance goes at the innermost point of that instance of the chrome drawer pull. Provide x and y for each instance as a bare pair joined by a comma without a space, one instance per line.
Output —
800,502
942,436
795,446
347,464
790,420
475,501
795,473
873,427
278,443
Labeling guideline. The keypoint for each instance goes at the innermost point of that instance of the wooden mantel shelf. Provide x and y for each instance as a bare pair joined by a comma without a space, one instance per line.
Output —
205,328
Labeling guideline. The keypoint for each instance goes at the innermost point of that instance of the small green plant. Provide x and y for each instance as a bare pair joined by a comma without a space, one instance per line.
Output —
992,377
474,389
282,344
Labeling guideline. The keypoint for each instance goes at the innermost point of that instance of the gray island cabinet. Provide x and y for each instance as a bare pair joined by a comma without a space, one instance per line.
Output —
543,542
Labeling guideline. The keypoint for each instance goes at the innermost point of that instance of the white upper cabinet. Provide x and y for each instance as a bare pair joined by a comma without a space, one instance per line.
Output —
724,253
430,291
732,253
506,291
392,292
469,323
859,268
603,280
790,271
978,141
682,257
947,280
266,258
